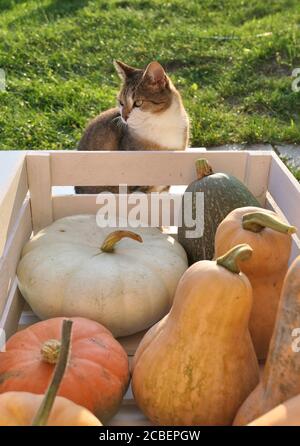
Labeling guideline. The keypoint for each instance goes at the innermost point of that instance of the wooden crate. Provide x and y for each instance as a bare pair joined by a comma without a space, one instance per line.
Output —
27,205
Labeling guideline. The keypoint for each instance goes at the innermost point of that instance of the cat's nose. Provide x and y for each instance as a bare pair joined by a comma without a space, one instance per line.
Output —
125,116
125,113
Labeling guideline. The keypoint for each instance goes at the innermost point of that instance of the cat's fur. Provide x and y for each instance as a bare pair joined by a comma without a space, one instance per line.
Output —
150,116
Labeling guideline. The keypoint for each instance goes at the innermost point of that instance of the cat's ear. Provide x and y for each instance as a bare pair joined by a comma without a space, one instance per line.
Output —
123,69
156,74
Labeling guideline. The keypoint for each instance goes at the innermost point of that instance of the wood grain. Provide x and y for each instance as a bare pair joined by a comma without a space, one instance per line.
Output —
39,180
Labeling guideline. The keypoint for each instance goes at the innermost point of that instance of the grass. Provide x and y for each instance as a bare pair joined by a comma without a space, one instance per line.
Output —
231,59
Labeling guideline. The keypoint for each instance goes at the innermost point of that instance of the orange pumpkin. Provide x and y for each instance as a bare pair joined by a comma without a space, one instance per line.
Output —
97,375
28,409
271,242
280,380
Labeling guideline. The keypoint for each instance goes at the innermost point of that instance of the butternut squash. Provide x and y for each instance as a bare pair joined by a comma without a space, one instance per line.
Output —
285,414
271,241
281,375
198,364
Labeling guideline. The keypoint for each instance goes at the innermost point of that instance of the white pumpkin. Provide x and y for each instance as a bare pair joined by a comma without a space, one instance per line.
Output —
127,286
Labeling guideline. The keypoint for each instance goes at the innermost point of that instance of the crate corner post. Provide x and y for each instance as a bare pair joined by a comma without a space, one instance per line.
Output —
40,188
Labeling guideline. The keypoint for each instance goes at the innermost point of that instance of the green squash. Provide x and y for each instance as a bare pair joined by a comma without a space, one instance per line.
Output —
222,194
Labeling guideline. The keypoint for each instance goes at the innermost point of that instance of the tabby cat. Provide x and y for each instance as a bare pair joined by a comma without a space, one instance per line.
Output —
150,116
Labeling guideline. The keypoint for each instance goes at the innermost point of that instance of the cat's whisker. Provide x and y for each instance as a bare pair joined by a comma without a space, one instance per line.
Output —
119,121
117,118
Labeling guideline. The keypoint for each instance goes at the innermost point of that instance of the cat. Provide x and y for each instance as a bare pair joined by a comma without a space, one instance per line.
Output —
150,116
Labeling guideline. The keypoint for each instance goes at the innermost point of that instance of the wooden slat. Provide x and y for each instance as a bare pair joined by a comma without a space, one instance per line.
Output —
27,318
128,397
13,190
65,205
12,311
11,255
257,173
39,180
138,168
129,415
285,189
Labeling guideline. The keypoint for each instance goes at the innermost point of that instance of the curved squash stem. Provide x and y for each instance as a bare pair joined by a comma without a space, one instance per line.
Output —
114,237
257,221
45,408
233,256
203,168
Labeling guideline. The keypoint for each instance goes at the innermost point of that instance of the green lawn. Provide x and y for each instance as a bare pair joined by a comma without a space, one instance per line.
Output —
231,59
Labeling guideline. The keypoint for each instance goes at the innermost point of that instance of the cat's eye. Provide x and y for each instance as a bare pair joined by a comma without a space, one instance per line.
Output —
121,103
137,103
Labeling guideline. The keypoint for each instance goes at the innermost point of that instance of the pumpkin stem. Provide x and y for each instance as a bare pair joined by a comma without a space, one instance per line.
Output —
50,351
233,256
45,408
114,237
203,168
257,221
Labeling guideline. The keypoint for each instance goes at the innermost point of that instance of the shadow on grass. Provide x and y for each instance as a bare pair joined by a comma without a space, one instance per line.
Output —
55,10
5,5
204,68
59,8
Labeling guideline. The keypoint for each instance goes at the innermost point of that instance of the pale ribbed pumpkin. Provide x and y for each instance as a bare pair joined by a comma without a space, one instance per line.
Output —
122,279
